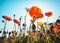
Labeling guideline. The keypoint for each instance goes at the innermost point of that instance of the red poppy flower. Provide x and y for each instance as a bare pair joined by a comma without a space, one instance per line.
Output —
57,28
16,21
7,18
48,14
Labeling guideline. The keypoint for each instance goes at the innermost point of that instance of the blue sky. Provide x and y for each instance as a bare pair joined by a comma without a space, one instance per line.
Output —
17,7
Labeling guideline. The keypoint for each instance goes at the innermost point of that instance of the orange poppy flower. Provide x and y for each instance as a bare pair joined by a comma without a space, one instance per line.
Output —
35,11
